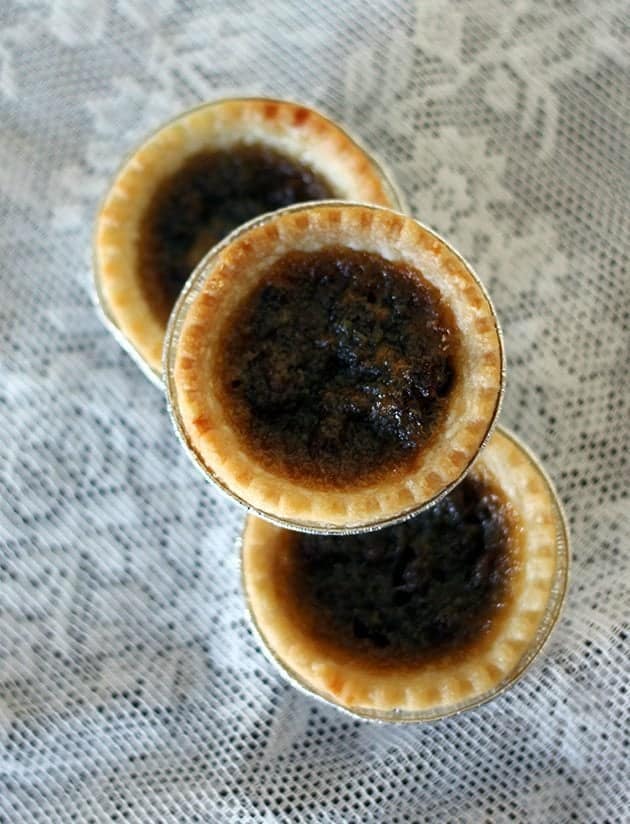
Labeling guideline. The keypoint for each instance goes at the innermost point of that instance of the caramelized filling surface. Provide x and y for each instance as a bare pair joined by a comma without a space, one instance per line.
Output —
337,367
411,591
201,203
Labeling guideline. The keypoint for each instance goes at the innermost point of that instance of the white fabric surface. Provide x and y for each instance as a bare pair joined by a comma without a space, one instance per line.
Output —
130,686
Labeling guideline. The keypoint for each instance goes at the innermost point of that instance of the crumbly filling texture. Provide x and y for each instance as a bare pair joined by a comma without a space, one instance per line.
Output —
201,203
412,591
338,366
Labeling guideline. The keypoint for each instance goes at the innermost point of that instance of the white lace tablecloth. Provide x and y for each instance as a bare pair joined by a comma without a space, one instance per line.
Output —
131,688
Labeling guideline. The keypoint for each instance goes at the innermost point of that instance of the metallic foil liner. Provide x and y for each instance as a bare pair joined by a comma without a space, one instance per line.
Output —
555,604
191,290
394,192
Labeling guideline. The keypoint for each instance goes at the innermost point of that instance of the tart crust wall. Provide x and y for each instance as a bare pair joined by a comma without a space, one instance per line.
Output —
471,407
360,684
301,133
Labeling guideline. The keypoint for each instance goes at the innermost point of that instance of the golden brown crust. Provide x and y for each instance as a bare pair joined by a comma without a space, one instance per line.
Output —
473,400
295,130
361,685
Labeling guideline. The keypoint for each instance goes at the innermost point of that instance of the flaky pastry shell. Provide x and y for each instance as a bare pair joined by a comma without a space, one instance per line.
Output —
456,681
300,133
195,344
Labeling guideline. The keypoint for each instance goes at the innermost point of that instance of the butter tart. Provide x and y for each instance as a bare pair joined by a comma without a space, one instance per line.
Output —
198,178
427,617
334,366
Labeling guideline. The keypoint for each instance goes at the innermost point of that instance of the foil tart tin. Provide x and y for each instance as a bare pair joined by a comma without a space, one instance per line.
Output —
191,290
105,313
551,616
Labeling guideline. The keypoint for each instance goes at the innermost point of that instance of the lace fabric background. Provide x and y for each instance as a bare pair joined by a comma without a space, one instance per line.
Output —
131,688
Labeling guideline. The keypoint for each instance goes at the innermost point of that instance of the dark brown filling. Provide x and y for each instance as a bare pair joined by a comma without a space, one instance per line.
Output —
337,367
414,590
211,194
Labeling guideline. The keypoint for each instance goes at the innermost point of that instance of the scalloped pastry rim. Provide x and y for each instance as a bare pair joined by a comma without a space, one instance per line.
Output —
473,404
295,129
436,689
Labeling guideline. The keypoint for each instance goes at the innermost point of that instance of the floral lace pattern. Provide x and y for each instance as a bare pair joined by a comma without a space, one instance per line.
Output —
130,685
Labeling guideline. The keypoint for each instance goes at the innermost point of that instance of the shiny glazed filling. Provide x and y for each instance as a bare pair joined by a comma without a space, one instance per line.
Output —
413,591
338,366
202,202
